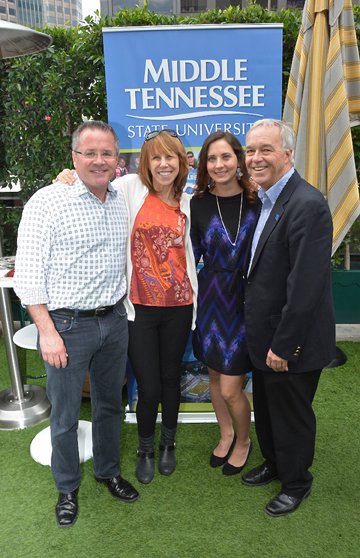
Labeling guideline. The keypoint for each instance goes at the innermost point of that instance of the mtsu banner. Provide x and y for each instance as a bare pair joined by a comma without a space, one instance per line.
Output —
195,79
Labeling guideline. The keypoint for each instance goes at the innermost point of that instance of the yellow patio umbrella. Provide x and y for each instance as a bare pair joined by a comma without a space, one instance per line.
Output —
323,102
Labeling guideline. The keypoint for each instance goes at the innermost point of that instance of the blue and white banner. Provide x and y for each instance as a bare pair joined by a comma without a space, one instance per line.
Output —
195,79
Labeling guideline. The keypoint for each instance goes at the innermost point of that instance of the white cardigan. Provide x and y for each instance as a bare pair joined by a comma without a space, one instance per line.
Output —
135,193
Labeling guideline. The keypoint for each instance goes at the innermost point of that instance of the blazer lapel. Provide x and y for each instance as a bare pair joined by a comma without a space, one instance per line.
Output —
248,249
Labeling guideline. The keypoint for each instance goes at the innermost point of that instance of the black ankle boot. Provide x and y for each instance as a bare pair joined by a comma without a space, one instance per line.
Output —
145,464
167,460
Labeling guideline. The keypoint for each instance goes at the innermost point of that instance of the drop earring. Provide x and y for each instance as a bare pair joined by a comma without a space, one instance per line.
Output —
238,173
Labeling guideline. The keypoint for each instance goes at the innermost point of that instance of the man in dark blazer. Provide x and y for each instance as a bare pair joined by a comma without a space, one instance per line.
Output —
289,314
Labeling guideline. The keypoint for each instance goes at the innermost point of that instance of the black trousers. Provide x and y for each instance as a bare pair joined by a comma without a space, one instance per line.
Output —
285,425
157,341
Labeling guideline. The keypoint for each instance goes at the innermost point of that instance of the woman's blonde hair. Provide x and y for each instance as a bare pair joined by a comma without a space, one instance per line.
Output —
168,144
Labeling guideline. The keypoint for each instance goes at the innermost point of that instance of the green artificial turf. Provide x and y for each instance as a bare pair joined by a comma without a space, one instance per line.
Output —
196,512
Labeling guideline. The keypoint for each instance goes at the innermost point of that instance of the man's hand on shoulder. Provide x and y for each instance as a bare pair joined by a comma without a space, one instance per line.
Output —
276,363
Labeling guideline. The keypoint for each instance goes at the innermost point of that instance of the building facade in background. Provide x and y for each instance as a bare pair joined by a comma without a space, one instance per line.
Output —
8,10
187,7
37,13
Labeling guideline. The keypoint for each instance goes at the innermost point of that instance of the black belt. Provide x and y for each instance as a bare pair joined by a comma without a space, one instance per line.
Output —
100,311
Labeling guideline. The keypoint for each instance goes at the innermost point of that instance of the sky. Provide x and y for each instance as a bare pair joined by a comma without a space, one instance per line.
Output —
89,6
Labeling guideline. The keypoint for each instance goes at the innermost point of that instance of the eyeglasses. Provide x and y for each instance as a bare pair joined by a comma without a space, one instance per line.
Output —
152,135
107,155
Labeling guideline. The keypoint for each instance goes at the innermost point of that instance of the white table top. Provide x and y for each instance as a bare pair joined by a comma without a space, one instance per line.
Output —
6,263
7,282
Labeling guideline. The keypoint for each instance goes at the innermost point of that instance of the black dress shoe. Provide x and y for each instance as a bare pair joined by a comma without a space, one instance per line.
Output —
283,504
216,461
120,489
66,509
167,460
229,469
261,475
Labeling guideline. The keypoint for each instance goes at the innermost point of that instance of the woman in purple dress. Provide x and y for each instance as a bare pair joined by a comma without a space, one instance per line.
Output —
223,212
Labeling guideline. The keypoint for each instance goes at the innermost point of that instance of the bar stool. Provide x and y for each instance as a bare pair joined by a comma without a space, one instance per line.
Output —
40,447
26,337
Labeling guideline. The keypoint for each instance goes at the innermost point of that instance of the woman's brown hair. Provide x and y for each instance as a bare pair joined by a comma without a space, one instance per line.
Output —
203,181
167,144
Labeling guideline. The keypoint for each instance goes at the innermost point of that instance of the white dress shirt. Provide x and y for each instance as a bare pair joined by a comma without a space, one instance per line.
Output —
72,248
268,199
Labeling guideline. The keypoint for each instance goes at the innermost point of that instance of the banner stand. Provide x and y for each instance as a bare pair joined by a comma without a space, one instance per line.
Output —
184,418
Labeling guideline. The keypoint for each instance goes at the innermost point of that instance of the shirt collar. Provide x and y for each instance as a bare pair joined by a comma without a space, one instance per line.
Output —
80,189
274,191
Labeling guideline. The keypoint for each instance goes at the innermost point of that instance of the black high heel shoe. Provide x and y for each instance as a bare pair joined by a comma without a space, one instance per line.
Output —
216,461
229,469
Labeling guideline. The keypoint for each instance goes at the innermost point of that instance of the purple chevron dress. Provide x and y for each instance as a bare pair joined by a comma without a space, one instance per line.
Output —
219,337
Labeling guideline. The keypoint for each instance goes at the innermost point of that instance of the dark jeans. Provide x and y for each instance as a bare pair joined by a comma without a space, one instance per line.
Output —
285,425
99,345
157,340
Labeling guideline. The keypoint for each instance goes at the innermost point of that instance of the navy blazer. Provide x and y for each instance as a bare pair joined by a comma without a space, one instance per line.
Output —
288,294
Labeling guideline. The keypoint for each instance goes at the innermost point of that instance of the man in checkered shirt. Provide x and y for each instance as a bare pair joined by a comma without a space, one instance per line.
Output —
70,274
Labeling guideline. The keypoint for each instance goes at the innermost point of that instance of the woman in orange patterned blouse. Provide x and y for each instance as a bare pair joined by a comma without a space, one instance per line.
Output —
163,287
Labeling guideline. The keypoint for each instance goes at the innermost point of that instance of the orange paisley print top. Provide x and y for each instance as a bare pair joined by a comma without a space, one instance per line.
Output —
159,276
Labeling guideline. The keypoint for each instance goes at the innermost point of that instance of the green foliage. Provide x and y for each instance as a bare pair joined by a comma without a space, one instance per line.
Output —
45,96
10,219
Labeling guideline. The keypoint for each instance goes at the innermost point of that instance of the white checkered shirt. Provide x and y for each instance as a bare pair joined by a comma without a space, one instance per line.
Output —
72,248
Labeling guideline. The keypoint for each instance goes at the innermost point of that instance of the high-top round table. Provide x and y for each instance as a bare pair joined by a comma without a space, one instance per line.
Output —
21,405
